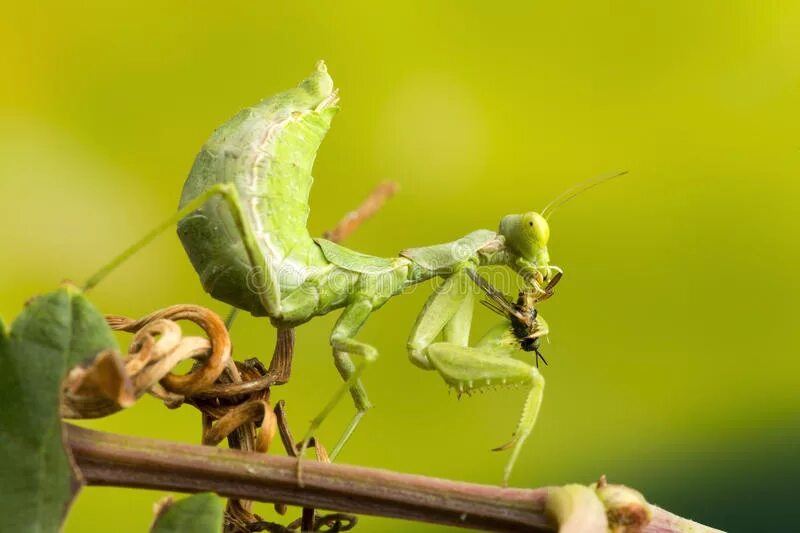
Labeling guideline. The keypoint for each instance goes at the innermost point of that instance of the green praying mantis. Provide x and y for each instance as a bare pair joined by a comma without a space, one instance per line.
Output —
242,221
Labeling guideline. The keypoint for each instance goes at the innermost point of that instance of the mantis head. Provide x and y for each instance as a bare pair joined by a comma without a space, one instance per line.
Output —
526,236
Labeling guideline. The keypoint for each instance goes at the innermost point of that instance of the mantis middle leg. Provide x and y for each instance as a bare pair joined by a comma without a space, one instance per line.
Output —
448,311
344,344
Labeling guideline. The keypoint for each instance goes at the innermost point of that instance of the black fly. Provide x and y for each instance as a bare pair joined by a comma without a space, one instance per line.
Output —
522,314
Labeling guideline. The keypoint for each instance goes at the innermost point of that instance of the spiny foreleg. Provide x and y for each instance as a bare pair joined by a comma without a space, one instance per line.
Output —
448,312
471,369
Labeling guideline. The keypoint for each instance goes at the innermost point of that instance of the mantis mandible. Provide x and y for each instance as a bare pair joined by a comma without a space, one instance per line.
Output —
242,221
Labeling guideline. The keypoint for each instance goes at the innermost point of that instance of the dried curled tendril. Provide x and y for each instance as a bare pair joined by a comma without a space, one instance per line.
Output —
232,396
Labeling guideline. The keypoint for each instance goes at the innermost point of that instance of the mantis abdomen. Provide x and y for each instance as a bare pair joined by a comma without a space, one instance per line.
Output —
266,154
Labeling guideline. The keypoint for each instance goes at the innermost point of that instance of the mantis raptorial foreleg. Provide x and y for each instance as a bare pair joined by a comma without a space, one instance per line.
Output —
448,311
467,368
344,344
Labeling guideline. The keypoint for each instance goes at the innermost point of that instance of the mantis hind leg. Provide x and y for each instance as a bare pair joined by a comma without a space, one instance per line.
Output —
344,344
263,276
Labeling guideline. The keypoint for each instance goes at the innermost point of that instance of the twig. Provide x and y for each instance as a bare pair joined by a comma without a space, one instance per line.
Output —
368,207
116,460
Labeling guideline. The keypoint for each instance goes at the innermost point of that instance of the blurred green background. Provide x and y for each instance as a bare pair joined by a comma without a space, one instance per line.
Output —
673,364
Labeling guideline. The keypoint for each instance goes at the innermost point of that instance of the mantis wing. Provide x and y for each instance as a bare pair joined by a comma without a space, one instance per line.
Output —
355,261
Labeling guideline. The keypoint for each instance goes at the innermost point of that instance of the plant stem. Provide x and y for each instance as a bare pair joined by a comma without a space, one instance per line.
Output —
371,205
117,460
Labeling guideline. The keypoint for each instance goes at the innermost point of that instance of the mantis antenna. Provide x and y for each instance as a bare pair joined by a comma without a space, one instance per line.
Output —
577,189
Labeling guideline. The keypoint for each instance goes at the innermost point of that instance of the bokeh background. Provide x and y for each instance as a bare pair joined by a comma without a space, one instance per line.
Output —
673,362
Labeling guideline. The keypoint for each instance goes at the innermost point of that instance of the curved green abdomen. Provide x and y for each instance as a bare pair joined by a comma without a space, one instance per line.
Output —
266,152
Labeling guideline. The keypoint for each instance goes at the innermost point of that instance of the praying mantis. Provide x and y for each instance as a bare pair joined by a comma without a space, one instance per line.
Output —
242,221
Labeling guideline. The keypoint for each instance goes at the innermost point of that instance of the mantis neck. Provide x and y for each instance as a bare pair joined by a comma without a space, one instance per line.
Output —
485,257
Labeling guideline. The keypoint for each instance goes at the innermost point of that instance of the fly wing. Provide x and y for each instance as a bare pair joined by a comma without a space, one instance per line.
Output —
497,301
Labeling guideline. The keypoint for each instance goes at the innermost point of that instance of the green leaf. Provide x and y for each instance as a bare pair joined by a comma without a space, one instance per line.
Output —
200,513
53,333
